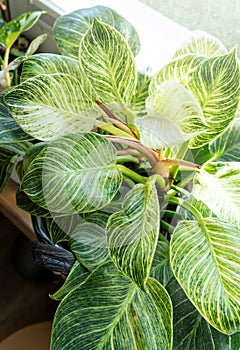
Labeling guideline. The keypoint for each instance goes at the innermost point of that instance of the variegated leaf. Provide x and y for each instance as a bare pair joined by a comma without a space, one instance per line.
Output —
108,63
216,85
47,106
214,82
76,277
76,24
74,173
173,117
26,204
190,330
7,161
226,148
201,43
11,30
88,240
118,315
132,234
205,258
218,187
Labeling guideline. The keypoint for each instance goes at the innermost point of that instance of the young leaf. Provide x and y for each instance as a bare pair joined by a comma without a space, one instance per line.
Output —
190,330
217,185
118,315
76,277
205,260
226,147
78,23
132,234
201,43
108,63
173,117
47,106
75,173
11,31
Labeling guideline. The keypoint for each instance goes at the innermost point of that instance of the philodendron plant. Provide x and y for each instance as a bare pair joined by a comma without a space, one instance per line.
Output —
140,176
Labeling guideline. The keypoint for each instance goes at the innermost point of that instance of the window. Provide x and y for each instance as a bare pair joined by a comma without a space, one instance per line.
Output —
159,35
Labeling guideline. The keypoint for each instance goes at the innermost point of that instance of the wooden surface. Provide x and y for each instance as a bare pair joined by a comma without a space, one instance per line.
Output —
18,217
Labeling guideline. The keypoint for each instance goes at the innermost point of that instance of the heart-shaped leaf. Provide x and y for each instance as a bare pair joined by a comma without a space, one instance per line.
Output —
205,258
108,63
74,173
118,315
173,117
49,105
132,234
78,22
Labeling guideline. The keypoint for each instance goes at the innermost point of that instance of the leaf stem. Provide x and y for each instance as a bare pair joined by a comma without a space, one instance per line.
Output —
117,121
166,226
5,64
132,174
147,152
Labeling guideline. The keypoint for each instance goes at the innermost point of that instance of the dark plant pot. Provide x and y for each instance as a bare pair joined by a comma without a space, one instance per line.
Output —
56,258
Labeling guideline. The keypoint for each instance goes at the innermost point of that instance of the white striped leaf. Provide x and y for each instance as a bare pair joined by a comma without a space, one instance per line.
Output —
190,330
75,24
226,148
74,173
88,240
108,63
202,43
118,315
47,106
173,117
132,233
75,278
205,258
215,84
10,131
161,269
218,186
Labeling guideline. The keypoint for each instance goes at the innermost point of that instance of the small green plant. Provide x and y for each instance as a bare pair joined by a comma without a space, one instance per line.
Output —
140,175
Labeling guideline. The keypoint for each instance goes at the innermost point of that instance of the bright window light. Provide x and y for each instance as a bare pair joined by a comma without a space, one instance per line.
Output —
159,35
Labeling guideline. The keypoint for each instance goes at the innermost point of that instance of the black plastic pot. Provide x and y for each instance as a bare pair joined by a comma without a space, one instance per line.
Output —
56,258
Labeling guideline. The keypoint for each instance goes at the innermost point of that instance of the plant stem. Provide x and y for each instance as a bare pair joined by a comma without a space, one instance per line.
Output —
5,64
117,121
111,129
148,153
171,214
166,226
132,174
127,159
185,181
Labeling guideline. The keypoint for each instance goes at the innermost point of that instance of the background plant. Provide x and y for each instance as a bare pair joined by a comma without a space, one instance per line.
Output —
140,176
